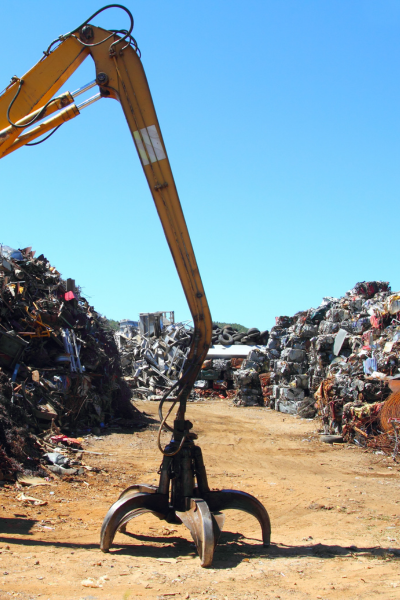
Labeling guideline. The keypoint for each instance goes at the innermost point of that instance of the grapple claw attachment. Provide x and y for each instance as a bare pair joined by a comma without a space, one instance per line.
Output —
183,485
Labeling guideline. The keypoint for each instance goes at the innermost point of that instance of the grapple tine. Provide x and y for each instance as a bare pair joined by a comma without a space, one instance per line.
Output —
130,505
139,487
218,523
201,525
234,499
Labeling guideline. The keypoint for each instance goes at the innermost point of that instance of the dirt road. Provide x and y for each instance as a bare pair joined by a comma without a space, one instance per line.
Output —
335,514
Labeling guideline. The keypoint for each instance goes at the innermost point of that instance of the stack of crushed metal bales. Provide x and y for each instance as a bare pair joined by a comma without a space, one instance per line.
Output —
365,365
342,355
289,382
248,379
215,374
59,364
216,378
237,378
152,363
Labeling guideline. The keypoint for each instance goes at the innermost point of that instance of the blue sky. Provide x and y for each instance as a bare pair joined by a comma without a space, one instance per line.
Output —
281,122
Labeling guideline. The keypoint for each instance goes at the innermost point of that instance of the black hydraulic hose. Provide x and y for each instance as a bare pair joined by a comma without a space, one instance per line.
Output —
163,419
163,399
128,12
126,34
35,118
46,138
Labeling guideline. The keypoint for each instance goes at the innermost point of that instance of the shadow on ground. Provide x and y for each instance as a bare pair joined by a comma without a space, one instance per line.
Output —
18,525
232,549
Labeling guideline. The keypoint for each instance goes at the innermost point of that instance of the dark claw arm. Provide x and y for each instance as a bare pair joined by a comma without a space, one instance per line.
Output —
226,499
130,506
201,525
139,487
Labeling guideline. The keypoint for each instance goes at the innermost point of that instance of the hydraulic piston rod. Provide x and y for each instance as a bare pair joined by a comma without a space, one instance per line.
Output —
68,113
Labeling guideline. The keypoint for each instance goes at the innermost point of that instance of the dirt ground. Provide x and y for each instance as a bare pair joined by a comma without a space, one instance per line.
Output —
335,514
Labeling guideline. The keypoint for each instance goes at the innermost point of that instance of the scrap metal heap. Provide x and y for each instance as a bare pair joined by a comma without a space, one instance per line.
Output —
59,363
335,361
338,359
152,363
248,379
235,378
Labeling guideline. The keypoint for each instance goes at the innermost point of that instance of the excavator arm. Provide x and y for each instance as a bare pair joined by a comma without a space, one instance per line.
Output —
28,101
29,108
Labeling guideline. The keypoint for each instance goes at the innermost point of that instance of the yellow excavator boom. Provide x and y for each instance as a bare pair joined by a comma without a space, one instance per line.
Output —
120,76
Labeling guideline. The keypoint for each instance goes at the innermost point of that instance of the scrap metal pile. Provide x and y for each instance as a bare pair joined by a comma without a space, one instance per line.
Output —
335,360
152,363
216,377
342,354
59,363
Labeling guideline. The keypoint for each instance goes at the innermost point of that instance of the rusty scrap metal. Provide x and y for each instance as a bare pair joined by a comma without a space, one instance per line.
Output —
59,363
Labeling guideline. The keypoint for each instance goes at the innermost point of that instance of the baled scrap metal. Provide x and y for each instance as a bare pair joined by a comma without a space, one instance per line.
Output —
220,384
59,363
216,374
201,384
339,352
354,349
240,376
236,363
210,374
215,379
221,364
226,370
247,379
234,378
